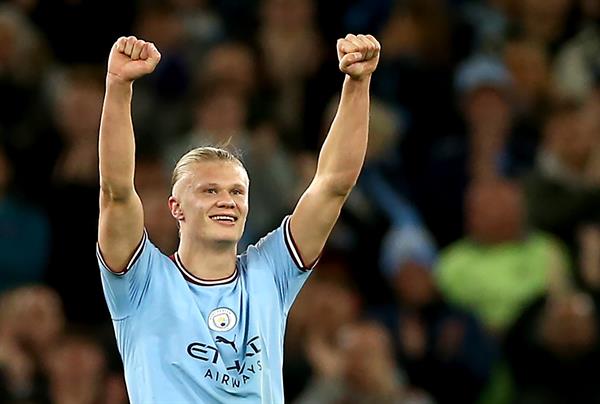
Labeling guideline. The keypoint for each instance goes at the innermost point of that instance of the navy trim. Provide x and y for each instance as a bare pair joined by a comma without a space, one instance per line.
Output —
199,281
293,248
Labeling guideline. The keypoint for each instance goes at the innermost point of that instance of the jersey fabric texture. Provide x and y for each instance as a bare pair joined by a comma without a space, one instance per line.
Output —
187,340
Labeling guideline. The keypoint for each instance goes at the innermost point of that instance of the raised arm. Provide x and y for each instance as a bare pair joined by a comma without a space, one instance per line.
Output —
343,152
121,221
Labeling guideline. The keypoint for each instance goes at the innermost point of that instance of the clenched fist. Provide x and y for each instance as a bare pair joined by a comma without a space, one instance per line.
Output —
131,58
358,55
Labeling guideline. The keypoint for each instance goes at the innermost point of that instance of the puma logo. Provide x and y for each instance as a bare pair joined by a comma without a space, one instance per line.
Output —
226,341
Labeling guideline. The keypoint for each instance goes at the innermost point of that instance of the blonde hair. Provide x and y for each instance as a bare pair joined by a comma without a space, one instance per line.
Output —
202,154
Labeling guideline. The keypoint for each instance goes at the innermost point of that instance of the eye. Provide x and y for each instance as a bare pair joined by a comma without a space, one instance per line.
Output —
237,191
211,190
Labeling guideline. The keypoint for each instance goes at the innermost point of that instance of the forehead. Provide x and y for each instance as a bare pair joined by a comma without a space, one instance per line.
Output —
217,172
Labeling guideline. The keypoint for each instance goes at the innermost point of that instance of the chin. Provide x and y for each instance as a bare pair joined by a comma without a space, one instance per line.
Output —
233,239
226,240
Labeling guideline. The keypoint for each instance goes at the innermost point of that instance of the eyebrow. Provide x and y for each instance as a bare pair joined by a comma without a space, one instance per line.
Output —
214,184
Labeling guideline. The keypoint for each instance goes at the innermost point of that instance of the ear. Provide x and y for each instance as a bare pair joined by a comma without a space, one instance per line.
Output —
175,208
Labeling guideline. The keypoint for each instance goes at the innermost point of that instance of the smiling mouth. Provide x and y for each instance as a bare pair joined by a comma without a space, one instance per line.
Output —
225,219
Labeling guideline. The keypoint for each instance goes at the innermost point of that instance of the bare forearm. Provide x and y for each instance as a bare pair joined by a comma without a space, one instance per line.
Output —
121,221
343,152
117,143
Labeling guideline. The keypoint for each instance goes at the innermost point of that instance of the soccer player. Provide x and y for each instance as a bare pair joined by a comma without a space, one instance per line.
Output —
207,325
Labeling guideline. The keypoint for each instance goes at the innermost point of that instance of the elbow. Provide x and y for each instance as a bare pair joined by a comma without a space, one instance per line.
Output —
115,192
340,185
343,188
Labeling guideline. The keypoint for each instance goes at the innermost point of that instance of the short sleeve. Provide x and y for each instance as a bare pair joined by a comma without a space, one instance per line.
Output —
283,258
124,291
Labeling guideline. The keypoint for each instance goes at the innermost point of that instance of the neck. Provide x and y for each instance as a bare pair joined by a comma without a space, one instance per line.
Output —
208,260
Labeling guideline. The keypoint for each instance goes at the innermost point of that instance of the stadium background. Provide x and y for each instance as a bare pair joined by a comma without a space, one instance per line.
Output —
466,264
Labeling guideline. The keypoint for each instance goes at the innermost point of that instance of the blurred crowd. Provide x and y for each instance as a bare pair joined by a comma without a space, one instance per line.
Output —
465,267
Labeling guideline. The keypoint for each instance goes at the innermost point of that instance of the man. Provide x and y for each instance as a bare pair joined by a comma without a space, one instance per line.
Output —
208,325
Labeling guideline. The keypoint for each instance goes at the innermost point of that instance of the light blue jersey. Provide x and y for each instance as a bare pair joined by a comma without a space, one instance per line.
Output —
187,340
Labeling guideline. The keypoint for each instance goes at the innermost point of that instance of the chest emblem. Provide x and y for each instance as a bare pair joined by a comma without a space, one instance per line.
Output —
222,319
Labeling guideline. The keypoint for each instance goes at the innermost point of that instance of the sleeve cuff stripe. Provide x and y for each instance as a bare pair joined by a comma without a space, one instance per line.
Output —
136,255
293,249
138,251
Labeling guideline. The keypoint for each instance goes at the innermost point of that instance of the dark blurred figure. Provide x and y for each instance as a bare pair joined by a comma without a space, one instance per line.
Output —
167,91
358,367
24,235
43,363
490,20
488,147
563,191
31,323
78,373
553,350
24,66
577,64
233,64
337,303
422,46
529,63
444,350
484,86
153,186
201,22
548,22
588,237
298,89
24,59
86,31
366,15
73,199
239,16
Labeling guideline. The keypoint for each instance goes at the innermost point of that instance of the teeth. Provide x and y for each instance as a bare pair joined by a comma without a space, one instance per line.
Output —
228,218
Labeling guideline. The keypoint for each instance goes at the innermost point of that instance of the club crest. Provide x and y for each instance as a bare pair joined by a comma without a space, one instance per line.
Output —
222,319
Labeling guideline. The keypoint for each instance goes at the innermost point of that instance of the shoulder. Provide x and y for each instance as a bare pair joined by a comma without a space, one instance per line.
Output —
253,257
146,255
457,249
541,240
271,242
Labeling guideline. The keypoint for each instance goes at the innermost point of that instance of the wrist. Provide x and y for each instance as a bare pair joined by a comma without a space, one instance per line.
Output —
117,87
116,81
359,79
359,86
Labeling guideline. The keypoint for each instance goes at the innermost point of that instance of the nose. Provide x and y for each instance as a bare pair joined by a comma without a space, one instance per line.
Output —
226,202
